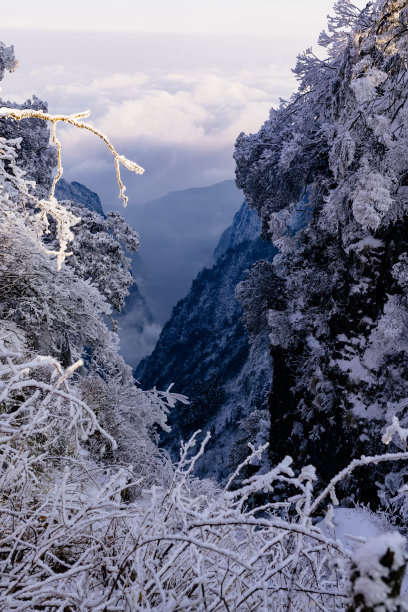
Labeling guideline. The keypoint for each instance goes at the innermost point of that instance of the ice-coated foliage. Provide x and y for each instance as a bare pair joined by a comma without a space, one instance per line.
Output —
97,253
71,538
35,154
61,308
339,334
93,515
60,504
7,59
19,114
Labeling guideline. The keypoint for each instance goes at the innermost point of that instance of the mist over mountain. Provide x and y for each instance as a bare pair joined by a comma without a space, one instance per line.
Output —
178,234
138,330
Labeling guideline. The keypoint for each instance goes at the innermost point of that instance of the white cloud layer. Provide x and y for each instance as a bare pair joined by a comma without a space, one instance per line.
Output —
173,104
204,108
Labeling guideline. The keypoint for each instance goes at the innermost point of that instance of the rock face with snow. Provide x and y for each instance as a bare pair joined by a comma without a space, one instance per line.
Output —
339,334
78,193
205,349
245,227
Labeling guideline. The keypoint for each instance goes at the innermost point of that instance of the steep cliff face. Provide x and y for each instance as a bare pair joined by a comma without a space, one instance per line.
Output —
76,192
339,333
245,227
205,350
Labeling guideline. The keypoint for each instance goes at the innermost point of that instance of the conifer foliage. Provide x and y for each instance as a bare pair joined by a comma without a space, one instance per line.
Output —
339,333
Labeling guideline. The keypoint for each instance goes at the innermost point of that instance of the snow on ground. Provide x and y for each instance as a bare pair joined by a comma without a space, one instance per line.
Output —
353,526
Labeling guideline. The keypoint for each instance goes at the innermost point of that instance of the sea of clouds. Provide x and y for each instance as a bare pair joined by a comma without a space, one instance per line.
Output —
173,103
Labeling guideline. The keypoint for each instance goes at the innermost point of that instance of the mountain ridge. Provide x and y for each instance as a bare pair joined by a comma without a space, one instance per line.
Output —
205,350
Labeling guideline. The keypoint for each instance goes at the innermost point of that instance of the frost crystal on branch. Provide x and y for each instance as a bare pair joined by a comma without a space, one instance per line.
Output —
63,218
74,119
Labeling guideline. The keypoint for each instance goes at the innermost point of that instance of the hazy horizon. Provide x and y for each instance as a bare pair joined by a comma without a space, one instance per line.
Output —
173,102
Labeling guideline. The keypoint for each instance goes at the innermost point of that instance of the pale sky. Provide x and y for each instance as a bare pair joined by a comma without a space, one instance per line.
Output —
192,16
172,82
283,18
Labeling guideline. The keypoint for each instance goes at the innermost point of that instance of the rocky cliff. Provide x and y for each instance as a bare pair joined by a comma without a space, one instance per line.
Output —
205,350
78,193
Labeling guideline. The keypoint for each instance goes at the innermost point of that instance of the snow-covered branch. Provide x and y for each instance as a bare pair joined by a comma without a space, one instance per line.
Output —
74,119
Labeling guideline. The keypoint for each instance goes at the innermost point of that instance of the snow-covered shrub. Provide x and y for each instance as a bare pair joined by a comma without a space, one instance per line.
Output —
377,572
72,539
60,509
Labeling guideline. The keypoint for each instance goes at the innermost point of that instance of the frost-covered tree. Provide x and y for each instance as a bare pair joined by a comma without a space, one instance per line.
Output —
62,270
80,532
339,334
97,252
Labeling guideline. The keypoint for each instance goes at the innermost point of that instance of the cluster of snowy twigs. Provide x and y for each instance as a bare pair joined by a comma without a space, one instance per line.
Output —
69,540
78,533
50,208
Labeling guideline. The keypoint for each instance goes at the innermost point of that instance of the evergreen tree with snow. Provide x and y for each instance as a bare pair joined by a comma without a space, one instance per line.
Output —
339,334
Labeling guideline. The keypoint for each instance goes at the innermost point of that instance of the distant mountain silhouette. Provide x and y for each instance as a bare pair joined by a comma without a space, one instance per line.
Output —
178,234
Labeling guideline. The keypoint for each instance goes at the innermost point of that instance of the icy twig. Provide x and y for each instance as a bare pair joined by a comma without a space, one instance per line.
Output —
74,119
